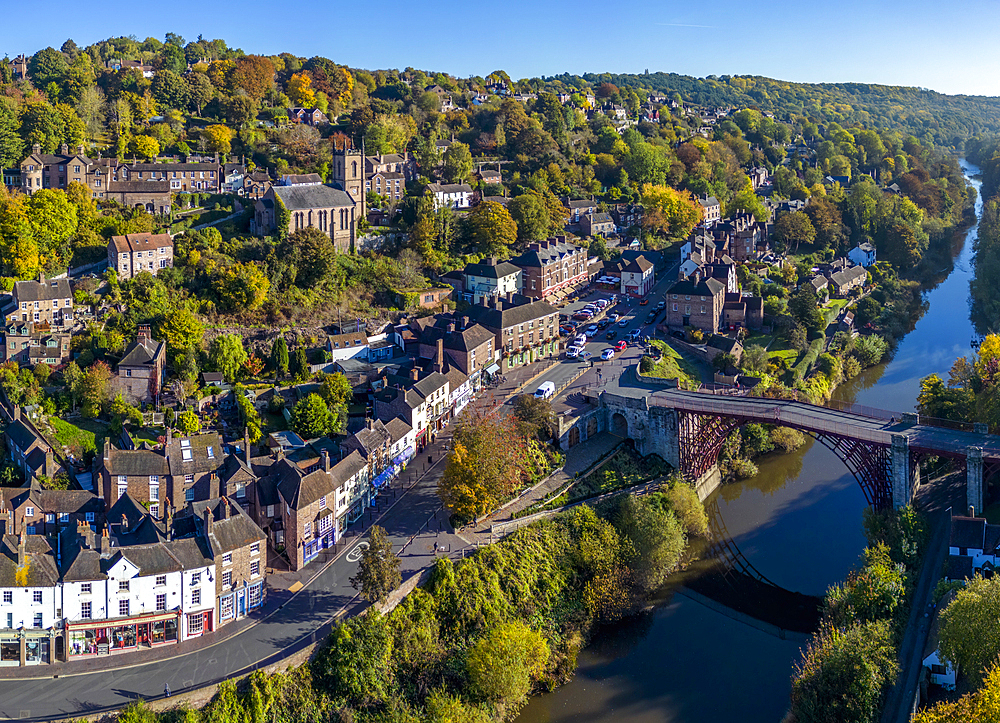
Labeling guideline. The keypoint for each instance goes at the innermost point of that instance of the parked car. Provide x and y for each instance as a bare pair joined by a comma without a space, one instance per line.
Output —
651,316
580,340
591,330
623,321
608,354
661,306
613,318
604,323
582,316
601,303
612,333
621,345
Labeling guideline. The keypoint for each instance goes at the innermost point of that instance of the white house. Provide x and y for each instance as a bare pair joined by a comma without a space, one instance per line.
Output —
28,600
451,195
491,278
862,255
711,210
637,277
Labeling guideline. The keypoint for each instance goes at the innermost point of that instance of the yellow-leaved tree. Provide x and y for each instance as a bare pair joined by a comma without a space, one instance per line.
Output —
669,212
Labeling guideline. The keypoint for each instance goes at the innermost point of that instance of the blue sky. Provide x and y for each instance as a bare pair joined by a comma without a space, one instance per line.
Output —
946,46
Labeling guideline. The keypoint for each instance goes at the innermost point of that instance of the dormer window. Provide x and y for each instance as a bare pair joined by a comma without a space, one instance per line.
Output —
211,452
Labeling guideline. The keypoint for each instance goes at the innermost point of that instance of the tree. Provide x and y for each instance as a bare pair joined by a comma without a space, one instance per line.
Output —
378,570
169,90
227,355
335,389
279,356
504,663
655,537
311,417
804,309
844,674
356,664
755,359
722,362
300,92
457,163
491,229
145,147
670,212
793,229
312,256
181,330
241,287
253,74
531,216
200,90
487,464
53,220
239,109
982,706
535,415
218,138
969,637
188,423
300,364
95,388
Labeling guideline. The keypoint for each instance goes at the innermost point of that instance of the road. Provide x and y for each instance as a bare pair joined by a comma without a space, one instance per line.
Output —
305,618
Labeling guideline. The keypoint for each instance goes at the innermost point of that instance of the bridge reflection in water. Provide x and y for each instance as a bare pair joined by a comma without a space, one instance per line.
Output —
729,583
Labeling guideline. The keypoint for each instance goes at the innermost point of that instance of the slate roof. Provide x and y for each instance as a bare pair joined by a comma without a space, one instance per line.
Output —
510,313
705,287
491,271
366,440
449,188
141,241
136,462
139,186
600,218
294,179
21,435
41,563
228,533
554,253
199,461
430,384
79,563
299,490
397,429
472,337
304,197
968,532
639,265
958,567
842,278
42,290
142,352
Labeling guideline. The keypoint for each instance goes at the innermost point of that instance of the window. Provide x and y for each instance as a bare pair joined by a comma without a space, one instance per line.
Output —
154,479
63,518
36,596
123,586
322,502
89,516
38,620
8,596
227,578
85,610
50,517
255,595
307,529
161,580
255,548
255,568
122,488
154,511
161,601
196,596
195,578
227,559
123,608
196,623
189,494
122,479
29,511
85,588
154,493
270,510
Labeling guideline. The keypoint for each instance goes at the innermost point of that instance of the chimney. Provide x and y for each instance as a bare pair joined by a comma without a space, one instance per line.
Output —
41,277
225,508
16,415
439,358
696,276
465,323
105,543
36,148
22,556
451,327
64,149
170,436
492,261
143,333
510,297
415,374
536,246
326,460
124,523
246,445
369,423
208,518
79,150
169,519
214,486
279,453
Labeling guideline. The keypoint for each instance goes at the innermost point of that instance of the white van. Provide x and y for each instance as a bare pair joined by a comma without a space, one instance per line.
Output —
545,390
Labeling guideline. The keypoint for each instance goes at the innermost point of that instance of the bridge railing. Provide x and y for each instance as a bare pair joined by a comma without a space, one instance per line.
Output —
863,410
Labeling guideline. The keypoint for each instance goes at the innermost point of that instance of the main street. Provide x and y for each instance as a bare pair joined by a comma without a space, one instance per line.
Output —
412,523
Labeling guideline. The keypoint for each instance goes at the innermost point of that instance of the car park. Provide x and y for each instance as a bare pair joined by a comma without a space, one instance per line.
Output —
621,345
601,303
608,354
582,316
612,333
624,321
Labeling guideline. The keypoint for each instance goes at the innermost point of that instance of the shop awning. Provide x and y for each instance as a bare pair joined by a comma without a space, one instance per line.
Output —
492,368
407,453
389,473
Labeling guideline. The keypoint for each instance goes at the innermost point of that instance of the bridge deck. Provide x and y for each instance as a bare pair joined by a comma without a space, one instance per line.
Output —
812,418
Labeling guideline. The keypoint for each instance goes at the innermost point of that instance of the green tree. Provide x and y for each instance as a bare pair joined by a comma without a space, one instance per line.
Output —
531,216
181,330
969,636
169,90
279,355
300,364
335,389
188,423
755,359
793,229
457,163
200,90
504,663
145,147
311,417
226,354
356,664
491,229
378,569
804,309
534,415
241,287
655,536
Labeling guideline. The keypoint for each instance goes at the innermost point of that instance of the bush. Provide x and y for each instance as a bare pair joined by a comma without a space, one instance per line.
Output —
682,500
646,365
851,367
787,439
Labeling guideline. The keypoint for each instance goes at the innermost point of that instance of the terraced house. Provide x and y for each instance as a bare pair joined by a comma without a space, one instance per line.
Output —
524,330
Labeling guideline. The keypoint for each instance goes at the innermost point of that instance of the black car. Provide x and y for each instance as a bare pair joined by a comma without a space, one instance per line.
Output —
604,323
611,334
651,317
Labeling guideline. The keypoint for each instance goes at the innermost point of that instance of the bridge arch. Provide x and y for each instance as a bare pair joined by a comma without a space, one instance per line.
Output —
619,425
702,437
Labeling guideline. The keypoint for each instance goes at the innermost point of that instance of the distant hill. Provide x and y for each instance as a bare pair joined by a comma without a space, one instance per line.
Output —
949,119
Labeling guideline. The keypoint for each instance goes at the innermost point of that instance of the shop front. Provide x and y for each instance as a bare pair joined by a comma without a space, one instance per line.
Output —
238,603
106,637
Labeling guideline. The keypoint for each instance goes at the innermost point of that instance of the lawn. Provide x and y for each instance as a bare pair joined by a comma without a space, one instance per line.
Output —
673,365
86,435
832,310
149,434
777,347
623,469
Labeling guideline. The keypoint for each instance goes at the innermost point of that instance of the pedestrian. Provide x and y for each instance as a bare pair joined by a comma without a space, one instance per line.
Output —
166,690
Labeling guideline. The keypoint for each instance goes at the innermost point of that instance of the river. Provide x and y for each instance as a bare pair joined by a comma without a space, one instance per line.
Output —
798,522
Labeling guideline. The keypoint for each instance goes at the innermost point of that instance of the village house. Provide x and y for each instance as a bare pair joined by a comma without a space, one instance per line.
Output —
423,404
48,302
308,116
38,511
843,282
637,278
134,253
28,620
579,208
550,266
451,195
863,255
524,330
328,209
696,302
27,447
490,278
711,210
597,224
142,370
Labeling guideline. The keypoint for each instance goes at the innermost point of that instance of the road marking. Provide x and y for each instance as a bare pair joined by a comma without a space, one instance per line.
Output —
355,554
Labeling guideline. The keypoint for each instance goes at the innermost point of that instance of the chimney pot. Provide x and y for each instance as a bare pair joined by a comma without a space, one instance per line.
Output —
22,555
414,374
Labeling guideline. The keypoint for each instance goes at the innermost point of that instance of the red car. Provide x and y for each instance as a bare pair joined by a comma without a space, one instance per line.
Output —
621,346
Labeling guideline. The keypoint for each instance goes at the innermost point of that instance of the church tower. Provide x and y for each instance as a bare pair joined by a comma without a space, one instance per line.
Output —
349,173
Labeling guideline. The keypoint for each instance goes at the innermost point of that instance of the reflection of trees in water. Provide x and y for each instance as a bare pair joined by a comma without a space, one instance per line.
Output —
618,639
775,471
